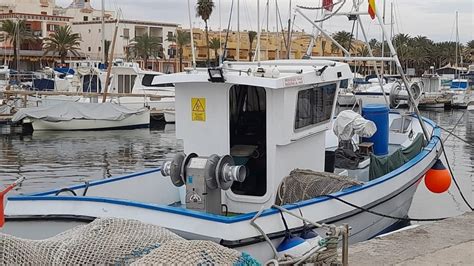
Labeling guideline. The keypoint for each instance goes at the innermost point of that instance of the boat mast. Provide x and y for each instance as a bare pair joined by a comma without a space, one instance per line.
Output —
104,55
258,32
391,32
278,47
383,40
111,58
288,48
457,47
192,37
238,30
268,34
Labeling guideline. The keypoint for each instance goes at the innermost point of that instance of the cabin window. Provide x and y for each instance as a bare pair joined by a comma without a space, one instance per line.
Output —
314,105
248,131
148,80
125,83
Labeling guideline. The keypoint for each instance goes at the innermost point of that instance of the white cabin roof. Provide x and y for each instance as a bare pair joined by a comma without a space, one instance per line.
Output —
278,74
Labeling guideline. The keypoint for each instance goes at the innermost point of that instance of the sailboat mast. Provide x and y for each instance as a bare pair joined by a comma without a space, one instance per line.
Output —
193,52
391,31
238,30
258,32
104,55
288,48
268,34
383,40
457,47
277,38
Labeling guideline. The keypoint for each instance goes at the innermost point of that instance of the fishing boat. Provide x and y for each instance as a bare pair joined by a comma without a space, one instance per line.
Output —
83,116
234,117
250,129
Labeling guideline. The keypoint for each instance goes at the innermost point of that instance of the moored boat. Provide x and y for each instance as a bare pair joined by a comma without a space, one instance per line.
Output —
235,115
83,116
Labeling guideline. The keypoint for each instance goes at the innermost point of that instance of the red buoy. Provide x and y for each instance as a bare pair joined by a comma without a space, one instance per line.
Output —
438,178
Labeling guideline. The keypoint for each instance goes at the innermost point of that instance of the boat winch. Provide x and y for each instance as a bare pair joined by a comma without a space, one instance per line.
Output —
398,93
204,177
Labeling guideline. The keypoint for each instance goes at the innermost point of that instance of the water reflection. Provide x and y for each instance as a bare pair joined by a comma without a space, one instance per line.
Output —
52,159
461,158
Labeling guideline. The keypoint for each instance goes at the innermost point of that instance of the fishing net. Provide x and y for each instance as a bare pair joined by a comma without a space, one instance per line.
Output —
199,252
114,241
306,184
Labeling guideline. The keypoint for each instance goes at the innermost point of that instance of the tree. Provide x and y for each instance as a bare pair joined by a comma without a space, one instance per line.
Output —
215,44
204,10
181,39
345,39
10,29
62,41
146,46
252,36
363,51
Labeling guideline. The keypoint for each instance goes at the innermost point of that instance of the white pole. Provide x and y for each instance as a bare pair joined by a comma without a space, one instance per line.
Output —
258,31
192,37
383,39
277,31
238,30
220,25
268,35
391,31
457,47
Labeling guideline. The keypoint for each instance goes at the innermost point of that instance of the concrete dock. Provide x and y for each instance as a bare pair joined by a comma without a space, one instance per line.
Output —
447,242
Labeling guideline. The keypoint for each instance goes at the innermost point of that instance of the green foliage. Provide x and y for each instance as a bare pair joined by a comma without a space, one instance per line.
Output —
145,47
345,39
16,32
215,44
62,41
252,36
204,10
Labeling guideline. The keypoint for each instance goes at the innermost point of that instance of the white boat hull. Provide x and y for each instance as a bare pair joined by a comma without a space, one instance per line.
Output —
134,120
149,197
170,116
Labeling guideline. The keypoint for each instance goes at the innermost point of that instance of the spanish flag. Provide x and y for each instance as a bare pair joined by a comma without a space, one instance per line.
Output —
372,8
327,4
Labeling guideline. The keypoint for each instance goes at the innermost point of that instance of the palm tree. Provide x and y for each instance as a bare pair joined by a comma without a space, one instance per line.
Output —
363,51
62,41
182,38
11,29
146,46
215,44
402,46
252,35
204,10
107,44
345,39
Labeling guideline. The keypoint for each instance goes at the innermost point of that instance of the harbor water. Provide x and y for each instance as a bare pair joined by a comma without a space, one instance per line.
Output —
57,159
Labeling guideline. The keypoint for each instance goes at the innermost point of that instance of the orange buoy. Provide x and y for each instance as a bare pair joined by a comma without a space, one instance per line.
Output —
438,178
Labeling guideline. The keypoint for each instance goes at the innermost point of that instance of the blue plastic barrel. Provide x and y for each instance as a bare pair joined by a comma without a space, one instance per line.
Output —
378,114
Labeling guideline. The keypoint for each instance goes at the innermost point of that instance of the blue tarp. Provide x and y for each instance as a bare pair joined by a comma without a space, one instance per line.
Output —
43,84
64,70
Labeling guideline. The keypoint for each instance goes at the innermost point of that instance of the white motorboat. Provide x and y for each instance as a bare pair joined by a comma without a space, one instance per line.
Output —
83,116
4,77
236,114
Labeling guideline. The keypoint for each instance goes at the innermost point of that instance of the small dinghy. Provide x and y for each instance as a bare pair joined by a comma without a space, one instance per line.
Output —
83,116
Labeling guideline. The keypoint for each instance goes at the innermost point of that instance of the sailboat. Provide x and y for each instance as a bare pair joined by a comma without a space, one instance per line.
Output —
249,128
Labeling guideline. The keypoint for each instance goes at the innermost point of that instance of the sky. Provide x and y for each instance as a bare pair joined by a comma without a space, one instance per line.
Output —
432,18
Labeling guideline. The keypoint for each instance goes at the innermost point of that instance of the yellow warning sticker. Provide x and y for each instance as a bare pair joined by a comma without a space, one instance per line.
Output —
198,109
